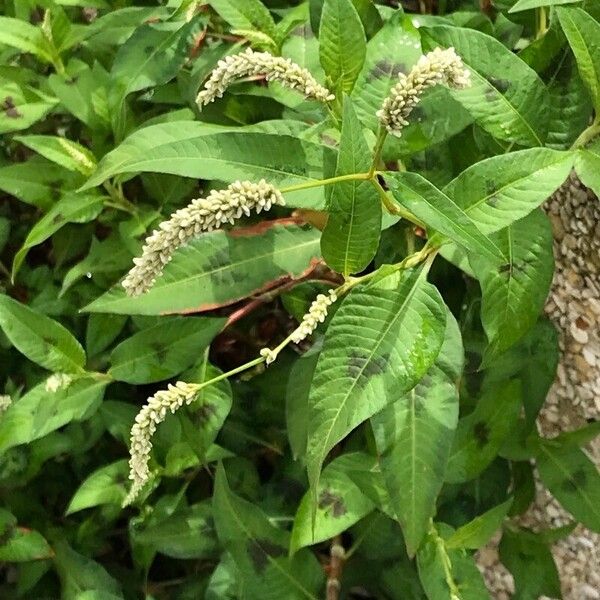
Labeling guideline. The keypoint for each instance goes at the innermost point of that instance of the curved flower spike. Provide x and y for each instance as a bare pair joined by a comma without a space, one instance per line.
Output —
147,420
202,214
274,68
437,67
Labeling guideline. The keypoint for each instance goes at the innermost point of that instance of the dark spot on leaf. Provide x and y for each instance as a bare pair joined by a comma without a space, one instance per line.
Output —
205,412
363,368
55,189
501,85
505,268
329,500
160,350
7,534
9,108
492,201
482,433
303,31
58,218
148,50
72,80
575,482
418,113
523,557
384,69
259,552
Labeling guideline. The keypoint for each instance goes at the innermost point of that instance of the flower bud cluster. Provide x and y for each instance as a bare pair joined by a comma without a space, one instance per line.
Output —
147,420
437,67
274,68
58,381
316,314
5,402
202,214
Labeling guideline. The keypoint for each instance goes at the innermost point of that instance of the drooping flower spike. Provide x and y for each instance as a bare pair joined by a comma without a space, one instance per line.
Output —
147,420
437,67
201,215
5,402
274,68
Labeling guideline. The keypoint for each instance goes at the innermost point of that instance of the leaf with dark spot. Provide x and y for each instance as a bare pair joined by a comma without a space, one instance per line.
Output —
259,551
327,499
9,108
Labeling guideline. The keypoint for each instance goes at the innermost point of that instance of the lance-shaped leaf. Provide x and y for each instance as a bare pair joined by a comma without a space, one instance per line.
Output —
573,480
513,293
339,504
380,342
507,97
342,43
251,15
20,544
60,150
480,434
194,149
583,32
72,208
527,556
219,268
260,550
351,236
164,350
587,166
414,438
393,50
529,4
441,213
40,411
479,531
40,338
26,37
22,106
497,191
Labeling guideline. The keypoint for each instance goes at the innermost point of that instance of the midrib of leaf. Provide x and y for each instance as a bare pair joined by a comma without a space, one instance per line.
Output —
413,460
271,560
512,183
400,312
510,106
568,475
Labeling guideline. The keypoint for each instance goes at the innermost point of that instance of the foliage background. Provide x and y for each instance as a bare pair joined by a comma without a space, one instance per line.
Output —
101,139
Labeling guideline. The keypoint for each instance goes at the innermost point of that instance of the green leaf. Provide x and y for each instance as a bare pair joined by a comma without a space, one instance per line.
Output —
478,532
393,50
414,437
507,98
440,212
79,574
342,43
40,411
19,544
570,105
36,181
60,150
25,37
260,550
71,208
187,533
499,190
39,338
339,504
587,166
250,14
164,350
432,559
583,32
380,342
514,293
351,236
106,485
220,268
480,434
572,479
193,149
530,562
529,4
22,106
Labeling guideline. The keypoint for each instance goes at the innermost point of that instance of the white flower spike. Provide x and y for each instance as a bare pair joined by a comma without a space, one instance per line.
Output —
274,68
5,402
147,420
437,67
202,214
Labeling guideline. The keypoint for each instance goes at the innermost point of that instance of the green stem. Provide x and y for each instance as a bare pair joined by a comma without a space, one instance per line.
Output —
322,182
587,135
118,199
392,207
381,135
541,22
446,563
